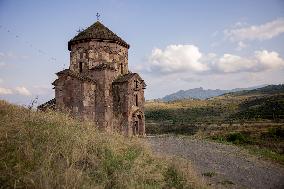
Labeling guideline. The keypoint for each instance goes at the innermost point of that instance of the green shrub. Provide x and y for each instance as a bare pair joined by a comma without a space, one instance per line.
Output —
235,138
276,132
174,179
209,174
238,138
218,138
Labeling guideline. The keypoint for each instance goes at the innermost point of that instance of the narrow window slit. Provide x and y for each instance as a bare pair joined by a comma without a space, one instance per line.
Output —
80,67
136,99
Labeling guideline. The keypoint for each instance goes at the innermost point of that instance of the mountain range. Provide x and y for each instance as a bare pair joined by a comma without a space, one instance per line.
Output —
200,93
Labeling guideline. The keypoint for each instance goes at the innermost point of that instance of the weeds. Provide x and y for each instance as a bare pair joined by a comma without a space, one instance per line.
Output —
267,153
209,174
276,132
226,182
234,138
174,179
52,150
267,143
238,138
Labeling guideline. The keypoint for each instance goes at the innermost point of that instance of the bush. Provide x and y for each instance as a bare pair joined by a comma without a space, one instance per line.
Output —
238,138
276,132
174,179
218,138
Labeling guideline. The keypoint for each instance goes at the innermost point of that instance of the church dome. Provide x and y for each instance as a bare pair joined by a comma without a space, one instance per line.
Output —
97,32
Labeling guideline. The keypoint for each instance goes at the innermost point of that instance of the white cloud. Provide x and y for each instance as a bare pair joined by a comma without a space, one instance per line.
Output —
241,45
207,58
17,92
229,63
176,58
239,24
256,32
188,59
269,60
191,79
23,91
5,91
42,89
260,61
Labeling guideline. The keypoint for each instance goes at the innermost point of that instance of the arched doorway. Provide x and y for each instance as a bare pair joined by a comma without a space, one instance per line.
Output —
137,126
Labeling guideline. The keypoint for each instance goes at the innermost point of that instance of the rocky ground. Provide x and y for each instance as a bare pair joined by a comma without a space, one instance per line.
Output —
221,165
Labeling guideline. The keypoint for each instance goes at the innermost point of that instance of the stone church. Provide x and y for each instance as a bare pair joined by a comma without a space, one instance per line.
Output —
98,85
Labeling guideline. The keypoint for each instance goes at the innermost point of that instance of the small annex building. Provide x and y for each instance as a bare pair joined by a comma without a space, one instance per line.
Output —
98,85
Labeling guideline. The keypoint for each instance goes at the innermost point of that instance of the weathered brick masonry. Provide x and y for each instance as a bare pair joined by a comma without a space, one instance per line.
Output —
98,85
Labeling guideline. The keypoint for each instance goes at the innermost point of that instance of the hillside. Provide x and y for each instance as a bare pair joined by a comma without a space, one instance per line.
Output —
269,89
253,119
52,150
263,104
200,93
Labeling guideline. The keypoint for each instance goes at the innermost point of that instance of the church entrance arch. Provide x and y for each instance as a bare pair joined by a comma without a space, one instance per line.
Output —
137,123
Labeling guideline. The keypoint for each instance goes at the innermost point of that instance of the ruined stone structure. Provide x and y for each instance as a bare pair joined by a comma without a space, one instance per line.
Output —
98,85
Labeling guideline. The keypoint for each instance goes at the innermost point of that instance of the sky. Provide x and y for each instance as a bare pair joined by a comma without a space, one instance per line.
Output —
174,45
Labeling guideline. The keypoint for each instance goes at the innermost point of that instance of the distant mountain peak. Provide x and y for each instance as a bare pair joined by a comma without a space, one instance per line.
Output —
201,93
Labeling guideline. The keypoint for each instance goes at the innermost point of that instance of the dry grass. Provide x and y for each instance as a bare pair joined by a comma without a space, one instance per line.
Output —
196,103
263,138
52,150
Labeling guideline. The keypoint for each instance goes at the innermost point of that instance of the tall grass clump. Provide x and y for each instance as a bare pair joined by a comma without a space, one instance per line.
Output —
52,150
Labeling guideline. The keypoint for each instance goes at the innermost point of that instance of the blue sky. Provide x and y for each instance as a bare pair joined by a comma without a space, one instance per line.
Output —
173,44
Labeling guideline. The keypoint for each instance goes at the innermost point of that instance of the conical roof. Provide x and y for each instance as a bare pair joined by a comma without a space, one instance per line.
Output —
98,32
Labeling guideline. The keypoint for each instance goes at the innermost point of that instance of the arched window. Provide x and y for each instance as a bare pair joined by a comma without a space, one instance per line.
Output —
80,67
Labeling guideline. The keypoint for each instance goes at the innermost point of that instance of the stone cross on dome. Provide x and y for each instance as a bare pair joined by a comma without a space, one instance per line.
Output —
98,16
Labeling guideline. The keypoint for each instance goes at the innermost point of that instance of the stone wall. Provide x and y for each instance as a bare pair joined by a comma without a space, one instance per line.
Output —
75,96
125,108
121,107
136,112
95,52
103,62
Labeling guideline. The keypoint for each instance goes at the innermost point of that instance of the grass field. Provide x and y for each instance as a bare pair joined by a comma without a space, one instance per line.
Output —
223,109
52,150
259,105
253,119
263,139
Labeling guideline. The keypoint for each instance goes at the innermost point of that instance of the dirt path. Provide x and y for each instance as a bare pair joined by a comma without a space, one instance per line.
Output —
226,166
